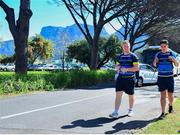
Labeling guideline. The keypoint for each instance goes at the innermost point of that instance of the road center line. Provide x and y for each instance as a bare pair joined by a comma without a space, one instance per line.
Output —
50,107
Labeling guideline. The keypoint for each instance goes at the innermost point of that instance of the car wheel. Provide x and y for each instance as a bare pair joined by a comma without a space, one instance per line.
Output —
176,74
140,82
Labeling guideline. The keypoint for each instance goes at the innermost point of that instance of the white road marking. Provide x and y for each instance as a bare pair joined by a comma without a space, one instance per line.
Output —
50,107
142,100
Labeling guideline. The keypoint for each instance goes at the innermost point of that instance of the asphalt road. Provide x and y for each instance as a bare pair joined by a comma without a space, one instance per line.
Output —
79,111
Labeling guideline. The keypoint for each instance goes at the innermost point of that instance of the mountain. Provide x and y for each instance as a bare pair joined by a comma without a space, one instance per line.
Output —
7,48
69,33
60,36
64,36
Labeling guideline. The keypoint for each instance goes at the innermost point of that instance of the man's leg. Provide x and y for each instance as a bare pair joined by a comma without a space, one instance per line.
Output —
171,99
131,102
163,101
117,104
118,100
131,105
163,104
170,93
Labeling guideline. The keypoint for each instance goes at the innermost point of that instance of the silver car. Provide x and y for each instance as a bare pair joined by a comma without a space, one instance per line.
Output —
147,75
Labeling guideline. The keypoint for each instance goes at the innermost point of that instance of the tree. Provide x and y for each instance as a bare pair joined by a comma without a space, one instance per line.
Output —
39,48
137,25
108,49
172,34
5,60
63,51
101,12
20,32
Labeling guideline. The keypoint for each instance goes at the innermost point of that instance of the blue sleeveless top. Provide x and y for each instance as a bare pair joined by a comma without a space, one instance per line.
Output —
127,61
165,66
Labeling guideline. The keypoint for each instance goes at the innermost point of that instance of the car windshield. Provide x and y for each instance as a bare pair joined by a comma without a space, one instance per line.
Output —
146,67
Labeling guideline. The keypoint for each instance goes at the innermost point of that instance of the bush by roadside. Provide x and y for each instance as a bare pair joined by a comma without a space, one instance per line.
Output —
42,80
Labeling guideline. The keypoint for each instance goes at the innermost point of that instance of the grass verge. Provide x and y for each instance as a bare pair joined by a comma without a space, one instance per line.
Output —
170,125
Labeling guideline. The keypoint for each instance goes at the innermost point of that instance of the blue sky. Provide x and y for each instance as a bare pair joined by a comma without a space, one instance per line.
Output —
44,14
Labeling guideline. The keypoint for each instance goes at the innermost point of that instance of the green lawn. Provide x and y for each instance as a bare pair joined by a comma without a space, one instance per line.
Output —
170,125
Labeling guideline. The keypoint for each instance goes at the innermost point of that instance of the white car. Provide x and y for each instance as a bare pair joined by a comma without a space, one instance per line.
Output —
176,70
7,67
147,75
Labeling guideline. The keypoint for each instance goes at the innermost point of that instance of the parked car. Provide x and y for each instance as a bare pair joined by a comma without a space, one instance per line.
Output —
2,67
176,70
34,67
51,67
7,67
147,75
105,67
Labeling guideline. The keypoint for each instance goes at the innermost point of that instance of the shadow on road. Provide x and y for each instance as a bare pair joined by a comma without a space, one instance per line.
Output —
98,122
112,85
130,126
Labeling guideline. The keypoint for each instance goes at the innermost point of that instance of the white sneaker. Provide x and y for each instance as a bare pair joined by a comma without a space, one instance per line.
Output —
130,113
114,115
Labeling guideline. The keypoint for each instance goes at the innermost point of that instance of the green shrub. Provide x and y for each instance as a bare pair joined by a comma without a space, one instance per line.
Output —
87,78
43,80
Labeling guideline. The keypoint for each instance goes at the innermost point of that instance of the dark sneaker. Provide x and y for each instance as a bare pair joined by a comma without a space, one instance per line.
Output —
171,109
162,116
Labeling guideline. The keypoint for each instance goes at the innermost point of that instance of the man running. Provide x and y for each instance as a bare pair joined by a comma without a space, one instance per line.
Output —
125,82
164,61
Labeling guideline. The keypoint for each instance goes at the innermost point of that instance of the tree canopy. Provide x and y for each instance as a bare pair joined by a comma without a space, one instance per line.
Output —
39,48
136,17
108,50
137,25
101,12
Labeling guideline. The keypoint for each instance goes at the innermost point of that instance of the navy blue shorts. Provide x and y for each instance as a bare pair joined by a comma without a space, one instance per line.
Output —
125,84
166,83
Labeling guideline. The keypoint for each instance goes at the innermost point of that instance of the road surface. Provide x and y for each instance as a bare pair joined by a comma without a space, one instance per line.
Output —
79,111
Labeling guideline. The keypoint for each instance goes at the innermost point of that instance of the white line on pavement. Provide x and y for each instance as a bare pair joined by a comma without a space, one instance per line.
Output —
142,100
50,107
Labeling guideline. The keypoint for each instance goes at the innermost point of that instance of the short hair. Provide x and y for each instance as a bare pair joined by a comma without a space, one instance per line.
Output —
125,42
164,41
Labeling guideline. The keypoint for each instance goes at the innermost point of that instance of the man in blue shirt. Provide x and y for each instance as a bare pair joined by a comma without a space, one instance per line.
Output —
164,61
125,82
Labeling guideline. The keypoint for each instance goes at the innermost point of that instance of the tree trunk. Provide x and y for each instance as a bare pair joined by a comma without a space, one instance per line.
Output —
20,32
21,41
94,47
131,41
94,57
21,55
63,60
